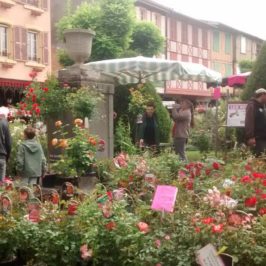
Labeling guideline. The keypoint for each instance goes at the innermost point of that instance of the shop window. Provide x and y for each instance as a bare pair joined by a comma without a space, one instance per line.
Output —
3,40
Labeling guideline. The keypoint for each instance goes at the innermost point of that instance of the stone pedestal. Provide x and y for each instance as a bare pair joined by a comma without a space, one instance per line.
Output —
101,123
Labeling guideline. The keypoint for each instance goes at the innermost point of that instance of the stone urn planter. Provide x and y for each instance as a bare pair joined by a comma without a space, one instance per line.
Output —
78,44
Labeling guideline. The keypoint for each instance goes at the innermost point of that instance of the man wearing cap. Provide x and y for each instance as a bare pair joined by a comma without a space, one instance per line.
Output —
5,141
255,122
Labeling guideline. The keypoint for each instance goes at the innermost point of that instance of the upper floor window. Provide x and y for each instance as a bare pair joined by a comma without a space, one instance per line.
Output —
204,39
32,46
143,14
243,45
216,41
184,33
228,43
158,20
195,35
3,40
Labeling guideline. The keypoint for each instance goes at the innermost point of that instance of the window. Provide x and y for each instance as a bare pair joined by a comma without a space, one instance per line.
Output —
143,14
32,46
228,43
33,2
158,20
243,45
184,34
173,30
3,40
195,35
228,69
217,66
204,39
216,41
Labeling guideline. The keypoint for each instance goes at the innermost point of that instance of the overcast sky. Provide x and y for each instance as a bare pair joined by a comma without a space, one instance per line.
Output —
246,15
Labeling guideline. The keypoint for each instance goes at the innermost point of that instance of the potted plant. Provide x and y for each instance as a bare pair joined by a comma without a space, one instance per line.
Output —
78,44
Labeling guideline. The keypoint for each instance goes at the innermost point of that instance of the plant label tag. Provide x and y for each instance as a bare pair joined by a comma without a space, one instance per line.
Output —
164,198
207,256
227,259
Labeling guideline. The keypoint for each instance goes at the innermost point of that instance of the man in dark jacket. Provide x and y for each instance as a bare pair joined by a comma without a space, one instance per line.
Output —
255,122
147,128
5,141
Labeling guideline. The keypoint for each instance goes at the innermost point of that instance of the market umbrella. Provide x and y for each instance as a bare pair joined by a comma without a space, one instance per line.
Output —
141,69
236,80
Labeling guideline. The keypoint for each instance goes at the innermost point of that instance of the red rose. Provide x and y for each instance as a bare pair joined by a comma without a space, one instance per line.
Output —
189,185
263,196
264,183
234,219
217,228
216,166
143,227
248,167
110,226
207,220
197,229
208,172
262,211
45,89
246,179
250,202
258,175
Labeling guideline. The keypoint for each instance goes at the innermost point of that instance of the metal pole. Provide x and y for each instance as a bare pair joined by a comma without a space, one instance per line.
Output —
216,127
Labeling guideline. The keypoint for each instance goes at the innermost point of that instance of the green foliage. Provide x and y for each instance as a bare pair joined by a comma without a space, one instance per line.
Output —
111,19
83,101
123,141
64,59
147,39
257,78
246,65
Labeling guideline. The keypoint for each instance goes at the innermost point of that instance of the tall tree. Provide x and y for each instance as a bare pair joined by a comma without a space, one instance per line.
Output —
147,39
258,78
111,19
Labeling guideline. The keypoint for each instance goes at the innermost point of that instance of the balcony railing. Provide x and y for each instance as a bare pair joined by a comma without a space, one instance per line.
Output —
4,53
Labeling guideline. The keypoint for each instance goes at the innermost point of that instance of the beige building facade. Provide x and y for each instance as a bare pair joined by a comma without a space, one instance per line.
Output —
24,44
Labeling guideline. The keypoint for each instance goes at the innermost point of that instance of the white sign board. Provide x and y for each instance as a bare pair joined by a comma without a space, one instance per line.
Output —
236,112
207,256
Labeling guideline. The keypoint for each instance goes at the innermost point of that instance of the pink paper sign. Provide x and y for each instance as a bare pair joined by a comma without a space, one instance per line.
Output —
217,93
164,198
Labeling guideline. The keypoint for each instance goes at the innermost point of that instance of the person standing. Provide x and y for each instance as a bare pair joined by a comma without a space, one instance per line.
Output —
31,162
5,141
255,122
184,119
147,128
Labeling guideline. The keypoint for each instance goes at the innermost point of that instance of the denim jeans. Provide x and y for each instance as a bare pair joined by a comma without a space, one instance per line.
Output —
2,168
30,180
179,145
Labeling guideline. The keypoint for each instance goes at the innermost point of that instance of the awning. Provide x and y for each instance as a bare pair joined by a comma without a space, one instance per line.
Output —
13,83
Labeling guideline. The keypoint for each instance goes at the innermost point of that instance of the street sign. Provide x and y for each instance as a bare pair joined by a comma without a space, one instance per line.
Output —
236,112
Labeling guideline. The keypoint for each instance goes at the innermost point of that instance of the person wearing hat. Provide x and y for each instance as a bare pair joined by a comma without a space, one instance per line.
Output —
5,141
255,122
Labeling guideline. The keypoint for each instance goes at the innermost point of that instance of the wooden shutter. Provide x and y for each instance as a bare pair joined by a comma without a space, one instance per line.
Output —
17,43
45,48
44,4
173,29
24,44
10,42
204,39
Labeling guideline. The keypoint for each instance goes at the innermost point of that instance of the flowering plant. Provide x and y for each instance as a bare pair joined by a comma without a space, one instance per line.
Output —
78,150
52,99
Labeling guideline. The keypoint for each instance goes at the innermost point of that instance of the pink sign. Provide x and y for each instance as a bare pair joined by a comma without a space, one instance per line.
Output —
216,93
164,198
